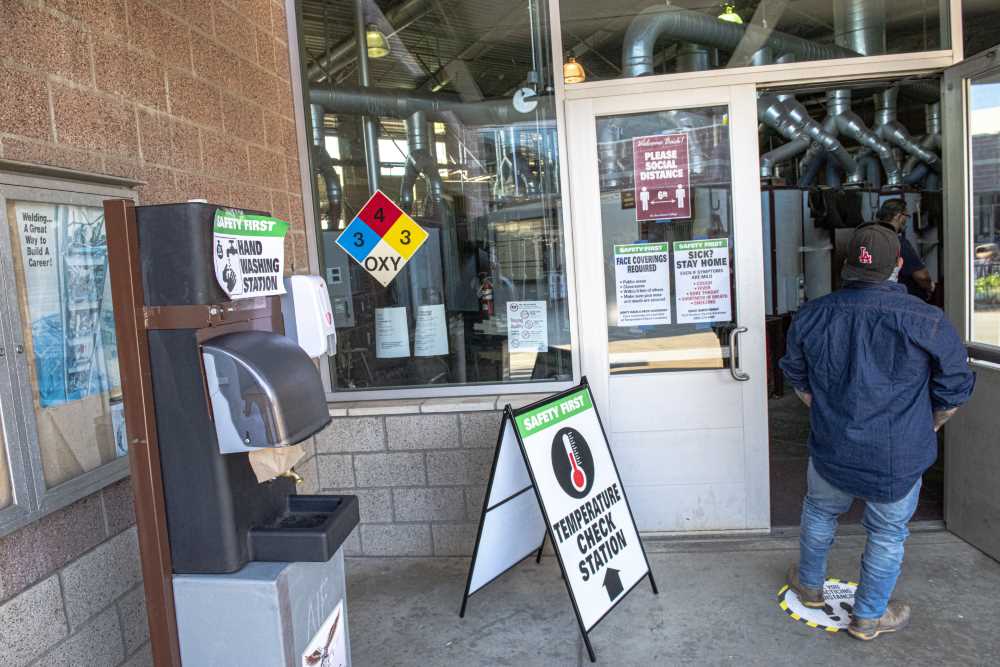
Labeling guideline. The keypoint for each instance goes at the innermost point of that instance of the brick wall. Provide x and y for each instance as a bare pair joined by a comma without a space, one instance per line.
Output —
420,477
70,587
193,97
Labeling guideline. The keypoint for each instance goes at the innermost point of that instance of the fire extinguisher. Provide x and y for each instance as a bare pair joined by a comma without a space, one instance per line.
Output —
485,295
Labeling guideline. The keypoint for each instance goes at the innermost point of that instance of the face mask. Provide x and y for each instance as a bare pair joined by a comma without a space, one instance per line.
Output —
894,276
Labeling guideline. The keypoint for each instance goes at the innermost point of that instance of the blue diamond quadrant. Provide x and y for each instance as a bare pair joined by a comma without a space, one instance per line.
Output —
358,240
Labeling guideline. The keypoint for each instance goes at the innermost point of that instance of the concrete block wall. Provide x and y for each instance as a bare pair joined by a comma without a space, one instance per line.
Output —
419,471
71,587
191,96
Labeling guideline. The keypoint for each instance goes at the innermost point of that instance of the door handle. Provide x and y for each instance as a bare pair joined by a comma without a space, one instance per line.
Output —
738,373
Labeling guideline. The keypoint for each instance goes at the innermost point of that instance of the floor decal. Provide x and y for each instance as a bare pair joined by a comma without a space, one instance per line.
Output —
832,617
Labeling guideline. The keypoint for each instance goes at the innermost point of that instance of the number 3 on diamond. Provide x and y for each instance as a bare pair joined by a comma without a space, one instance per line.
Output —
359,239
405,237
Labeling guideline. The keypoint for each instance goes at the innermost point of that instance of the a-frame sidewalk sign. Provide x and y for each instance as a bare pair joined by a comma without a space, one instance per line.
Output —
554,475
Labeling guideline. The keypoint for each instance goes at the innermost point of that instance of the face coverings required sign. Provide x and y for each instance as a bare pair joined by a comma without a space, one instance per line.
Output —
248,253
583,500
662,177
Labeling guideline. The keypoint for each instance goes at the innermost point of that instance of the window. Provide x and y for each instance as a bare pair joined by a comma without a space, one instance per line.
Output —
62,412
614,40
458,122
984,143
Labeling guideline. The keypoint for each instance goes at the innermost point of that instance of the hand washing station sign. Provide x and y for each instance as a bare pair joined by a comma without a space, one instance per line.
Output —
382,238
248,253
662,177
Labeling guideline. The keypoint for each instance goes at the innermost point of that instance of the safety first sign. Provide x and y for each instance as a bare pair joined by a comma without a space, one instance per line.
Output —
583,501
662,177
249,253
382,238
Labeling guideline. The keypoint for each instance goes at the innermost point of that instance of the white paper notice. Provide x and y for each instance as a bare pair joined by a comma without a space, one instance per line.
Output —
701,276
527,326
392,337
431,336
328,648
642,284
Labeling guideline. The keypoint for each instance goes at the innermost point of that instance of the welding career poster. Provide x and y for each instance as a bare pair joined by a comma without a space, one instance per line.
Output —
701,278
662,177
642,284
582,496
249,253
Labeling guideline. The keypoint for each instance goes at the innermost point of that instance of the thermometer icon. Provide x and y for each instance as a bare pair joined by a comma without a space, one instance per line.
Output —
578,477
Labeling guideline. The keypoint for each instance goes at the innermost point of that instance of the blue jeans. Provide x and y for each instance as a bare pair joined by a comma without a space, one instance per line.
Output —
885,524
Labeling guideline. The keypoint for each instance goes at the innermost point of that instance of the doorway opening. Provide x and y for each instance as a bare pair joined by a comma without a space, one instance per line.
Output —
830,156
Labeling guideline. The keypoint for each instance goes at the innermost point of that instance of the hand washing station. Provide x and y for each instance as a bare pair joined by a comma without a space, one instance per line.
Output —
258,570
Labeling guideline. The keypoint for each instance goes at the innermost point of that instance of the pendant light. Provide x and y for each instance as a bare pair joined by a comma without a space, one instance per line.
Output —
729,14
378,45
573,71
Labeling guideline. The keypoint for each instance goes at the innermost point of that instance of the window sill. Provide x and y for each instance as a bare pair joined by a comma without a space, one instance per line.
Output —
432,405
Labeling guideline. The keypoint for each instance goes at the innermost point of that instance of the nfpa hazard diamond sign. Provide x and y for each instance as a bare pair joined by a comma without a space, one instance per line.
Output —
382,238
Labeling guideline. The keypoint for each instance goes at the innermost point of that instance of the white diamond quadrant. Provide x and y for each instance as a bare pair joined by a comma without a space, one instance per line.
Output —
383,263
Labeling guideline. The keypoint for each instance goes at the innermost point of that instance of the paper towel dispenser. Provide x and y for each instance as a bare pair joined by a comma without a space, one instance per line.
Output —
264,391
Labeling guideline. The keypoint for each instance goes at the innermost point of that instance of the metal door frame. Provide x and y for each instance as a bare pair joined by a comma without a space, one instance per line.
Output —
585,217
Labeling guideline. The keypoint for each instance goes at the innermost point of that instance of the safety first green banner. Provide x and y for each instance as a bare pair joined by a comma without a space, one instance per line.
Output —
552,414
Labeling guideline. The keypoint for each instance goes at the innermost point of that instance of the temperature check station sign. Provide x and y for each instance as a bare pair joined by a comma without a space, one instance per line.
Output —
382,238
581,494
662,177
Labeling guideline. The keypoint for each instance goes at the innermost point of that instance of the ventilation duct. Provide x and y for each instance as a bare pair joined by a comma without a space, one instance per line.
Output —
931,141
421,161
841,121
859,25
693,27
324,165
891,130
790,119
402,104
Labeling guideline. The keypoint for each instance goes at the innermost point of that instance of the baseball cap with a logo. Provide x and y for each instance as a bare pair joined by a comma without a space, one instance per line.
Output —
871,254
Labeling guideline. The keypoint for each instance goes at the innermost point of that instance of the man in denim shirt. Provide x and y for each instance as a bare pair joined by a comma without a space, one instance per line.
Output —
881,372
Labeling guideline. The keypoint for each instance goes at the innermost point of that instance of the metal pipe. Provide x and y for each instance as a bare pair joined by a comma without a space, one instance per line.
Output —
693,58
369,128
811,164
784,152
891,130
792,121
689,26
798,114
401,104
870,167
324,165
846,122
859,25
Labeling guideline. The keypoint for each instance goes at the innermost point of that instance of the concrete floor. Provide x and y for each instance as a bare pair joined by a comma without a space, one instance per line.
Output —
716,607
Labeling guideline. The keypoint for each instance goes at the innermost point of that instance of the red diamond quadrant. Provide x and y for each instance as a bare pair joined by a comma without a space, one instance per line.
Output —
380,213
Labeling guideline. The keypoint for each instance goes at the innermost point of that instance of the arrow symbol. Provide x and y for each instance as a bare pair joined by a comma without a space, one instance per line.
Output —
613,583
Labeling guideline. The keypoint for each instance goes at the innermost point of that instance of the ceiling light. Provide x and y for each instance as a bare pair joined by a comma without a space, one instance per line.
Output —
378,46
729,14
573,71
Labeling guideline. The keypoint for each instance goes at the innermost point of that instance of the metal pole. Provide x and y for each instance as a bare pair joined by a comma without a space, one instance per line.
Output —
370,130
125,270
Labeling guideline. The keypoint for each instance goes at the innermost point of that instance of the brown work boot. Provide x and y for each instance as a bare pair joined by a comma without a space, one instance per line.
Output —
896,617
809,597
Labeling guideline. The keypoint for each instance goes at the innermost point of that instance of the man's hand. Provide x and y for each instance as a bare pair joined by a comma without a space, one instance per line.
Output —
941,416
807,398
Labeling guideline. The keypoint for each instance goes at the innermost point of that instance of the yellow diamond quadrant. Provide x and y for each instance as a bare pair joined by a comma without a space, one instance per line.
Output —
405,236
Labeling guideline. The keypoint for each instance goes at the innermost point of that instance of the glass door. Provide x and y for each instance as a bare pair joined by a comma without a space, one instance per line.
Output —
972,277
667,234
